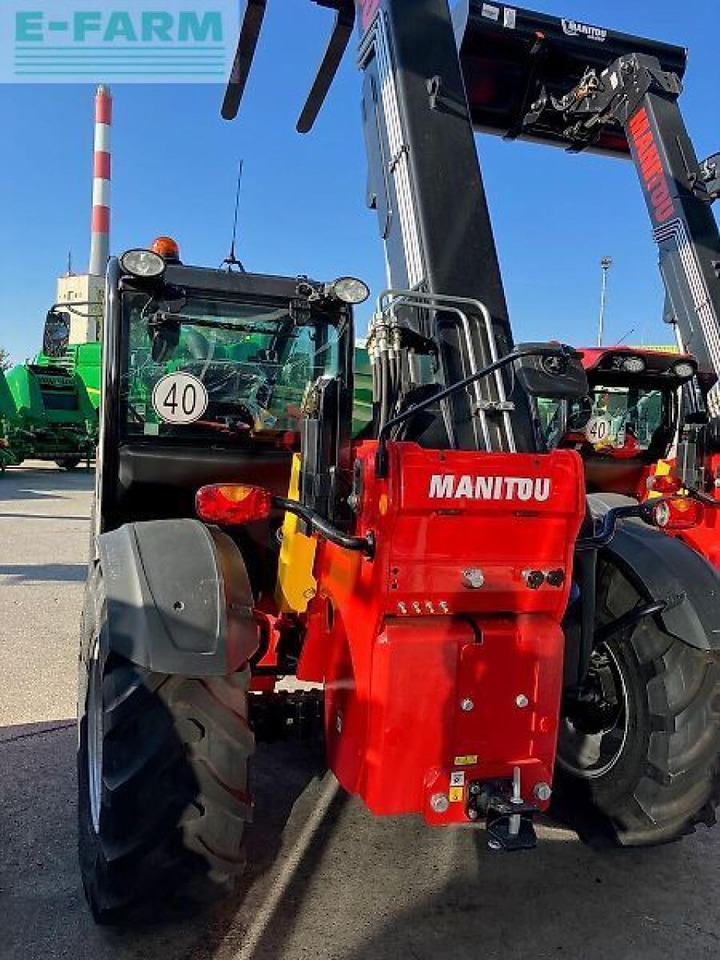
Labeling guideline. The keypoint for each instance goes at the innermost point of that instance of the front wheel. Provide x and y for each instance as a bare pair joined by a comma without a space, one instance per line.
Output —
163,782
640,751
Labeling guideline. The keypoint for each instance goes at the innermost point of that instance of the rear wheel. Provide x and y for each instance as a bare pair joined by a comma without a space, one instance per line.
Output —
639,754
163,783
68,463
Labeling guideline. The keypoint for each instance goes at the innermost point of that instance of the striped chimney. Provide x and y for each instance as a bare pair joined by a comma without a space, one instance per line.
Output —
100,241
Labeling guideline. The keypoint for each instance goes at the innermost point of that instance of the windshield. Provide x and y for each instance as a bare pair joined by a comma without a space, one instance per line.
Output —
210,369
612,418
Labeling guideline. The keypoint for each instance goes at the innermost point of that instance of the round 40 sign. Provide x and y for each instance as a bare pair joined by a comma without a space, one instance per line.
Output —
598,429
180,398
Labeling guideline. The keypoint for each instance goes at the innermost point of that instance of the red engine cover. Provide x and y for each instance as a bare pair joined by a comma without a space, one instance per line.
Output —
442,656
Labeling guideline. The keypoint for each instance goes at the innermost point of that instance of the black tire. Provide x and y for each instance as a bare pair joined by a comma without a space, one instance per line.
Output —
68,463
662,779
172,798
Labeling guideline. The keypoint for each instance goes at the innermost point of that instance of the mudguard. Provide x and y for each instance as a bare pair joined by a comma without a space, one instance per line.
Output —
664,568
178,598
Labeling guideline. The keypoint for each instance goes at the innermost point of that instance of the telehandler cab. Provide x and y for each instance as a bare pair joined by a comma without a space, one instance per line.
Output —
483,633
637,433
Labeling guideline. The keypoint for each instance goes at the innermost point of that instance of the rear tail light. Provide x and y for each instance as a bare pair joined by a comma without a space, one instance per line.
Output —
680,513
232,504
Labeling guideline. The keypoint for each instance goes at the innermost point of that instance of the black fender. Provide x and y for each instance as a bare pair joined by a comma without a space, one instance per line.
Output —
664,568
177,598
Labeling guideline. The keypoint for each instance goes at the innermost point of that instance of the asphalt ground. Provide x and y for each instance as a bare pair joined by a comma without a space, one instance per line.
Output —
328,880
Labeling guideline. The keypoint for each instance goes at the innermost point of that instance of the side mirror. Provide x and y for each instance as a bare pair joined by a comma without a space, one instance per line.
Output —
56,334
165,335
557,377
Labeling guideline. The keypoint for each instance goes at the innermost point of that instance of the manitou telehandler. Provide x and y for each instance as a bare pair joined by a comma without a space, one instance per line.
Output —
482,634
638,433
582,87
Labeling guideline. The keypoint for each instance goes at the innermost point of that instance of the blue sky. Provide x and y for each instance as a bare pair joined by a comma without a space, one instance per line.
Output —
303,210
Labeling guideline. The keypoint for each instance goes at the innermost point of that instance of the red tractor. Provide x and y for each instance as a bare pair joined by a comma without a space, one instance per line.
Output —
480,633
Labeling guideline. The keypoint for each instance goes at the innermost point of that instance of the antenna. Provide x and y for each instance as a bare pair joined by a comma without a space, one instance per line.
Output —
624,337
605,264
231,260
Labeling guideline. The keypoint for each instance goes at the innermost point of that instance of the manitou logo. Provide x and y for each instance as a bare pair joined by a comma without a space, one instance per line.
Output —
653,175
449,487
368,9
574,29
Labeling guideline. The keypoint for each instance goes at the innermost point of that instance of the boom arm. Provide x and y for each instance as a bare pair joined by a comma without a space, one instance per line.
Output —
638,94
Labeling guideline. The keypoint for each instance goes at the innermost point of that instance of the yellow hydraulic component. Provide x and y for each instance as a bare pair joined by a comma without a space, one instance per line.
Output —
296,585
662,468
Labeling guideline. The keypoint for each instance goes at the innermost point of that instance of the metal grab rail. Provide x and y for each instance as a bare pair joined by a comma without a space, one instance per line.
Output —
518,354
391,300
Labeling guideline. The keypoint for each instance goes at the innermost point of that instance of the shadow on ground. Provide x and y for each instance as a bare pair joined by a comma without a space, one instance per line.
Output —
23,483
44,914
353,888
41,516
10,490
43,572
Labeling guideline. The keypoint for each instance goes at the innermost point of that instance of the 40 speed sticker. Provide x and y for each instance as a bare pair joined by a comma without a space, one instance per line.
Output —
179,398
598,429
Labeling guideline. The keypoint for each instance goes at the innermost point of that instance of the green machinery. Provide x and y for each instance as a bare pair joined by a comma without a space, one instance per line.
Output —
45,414
363,394
84,359
11,436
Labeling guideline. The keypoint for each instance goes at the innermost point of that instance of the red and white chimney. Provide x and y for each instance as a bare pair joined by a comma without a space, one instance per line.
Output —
100,241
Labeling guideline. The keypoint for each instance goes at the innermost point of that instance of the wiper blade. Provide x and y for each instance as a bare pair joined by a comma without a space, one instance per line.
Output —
240,327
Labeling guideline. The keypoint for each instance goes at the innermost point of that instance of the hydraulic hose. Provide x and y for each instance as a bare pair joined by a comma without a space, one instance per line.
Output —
364,545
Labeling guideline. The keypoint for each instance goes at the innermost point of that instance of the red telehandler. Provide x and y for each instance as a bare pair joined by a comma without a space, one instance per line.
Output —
585,88
633,431
482,634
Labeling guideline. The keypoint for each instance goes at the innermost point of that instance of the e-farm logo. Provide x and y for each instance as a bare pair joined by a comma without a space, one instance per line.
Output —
133,41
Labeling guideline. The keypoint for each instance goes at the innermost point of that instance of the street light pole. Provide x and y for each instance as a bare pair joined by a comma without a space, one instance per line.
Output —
605,263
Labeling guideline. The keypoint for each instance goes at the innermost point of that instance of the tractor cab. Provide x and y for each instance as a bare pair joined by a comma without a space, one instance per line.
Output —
628,421
206,375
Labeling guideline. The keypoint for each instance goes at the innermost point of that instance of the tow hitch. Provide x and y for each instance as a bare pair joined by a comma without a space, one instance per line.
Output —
509,819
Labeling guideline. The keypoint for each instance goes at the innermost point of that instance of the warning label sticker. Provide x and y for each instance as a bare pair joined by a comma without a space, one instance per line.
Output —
490,11
457,778
456,794
466,761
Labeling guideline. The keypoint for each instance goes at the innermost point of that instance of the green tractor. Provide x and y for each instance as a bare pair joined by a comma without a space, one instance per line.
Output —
84,359
55,419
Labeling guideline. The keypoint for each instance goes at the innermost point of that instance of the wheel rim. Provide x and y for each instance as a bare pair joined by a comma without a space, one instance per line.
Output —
589,755
95,737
